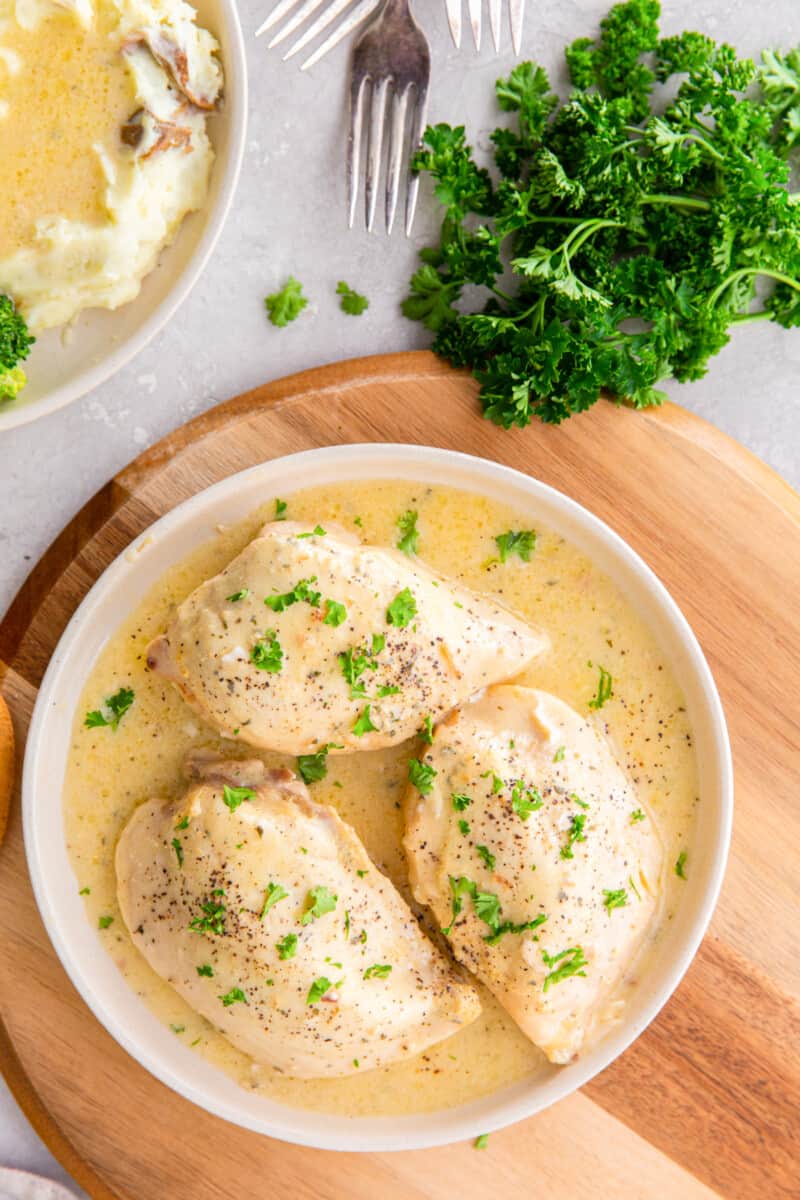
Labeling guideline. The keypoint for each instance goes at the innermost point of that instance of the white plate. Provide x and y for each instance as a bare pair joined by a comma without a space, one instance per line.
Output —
63,367
122,587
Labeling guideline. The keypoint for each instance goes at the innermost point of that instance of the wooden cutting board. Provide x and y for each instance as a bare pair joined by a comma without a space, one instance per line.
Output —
708,1100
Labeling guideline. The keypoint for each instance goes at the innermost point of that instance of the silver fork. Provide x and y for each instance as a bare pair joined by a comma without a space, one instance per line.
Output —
353,12
516,12
391,60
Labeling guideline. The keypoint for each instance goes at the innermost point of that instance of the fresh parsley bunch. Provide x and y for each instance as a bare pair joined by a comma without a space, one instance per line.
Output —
635,237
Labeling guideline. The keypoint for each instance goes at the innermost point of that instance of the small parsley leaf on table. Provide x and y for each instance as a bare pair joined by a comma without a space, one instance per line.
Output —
352,302
286,305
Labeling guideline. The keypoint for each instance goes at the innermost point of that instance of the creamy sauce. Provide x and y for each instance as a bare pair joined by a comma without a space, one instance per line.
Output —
559,589
53,119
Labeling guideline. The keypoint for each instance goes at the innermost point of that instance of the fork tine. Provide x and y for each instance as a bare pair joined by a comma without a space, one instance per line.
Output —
397,140
516,12
494,20
377,120
305,10
357,91
475,21
334,9
454,21
354,18
280,10
417,130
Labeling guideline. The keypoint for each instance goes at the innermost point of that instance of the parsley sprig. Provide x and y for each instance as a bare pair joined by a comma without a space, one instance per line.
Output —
113,711
636,229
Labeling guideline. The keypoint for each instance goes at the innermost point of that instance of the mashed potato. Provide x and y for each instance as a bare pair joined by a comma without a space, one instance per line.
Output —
103,109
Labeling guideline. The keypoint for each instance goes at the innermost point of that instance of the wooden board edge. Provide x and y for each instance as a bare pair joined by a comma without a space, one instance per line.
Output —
45,1125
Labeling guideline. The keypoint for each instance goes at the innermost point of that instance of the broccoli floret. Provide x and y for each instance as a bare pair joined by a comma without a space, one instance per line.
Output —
11,383
15,341
15,345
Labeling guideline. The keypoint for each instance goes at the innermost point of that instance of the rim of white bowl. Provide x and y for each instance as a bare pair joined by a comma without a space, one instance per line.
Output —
379,1134
236,93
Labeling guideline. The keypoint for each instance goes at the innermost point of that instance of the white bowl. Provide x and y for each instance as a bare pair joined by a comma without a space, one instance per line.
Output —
121,588
62,369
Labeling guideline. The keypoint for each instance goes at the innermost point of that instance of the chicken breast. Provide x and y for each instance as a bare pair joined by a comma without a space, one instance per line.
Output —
310,640
263,910
538,859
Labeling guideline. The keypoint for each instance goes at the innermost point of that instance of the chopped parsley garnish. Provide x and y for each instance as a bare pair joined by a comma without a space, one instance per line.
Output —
421,775
497,782
388,690
425,734
353,303
206,970
378,643
463,826
575,798
576,834
183,823
85,891
459,801
521,543
486,856
317,531
287,304
481,1141
115,708
313,767
242,594
572,961
335,613
319,988
273,894
680,865
178,848
605,689
361,874
525,800
364,723
378,971
104,922
213,918
178,1028
634,888
487,909
559,754
320,900
301,591
287,946
637,815
234,996
356,1063
267,655
280,510
615,899
354,663
409,534
402,610
234,796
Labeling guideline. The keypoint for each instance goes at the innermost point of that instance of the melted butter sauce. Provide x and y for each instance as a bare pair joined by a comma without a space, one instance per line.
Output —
64,90
559,589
